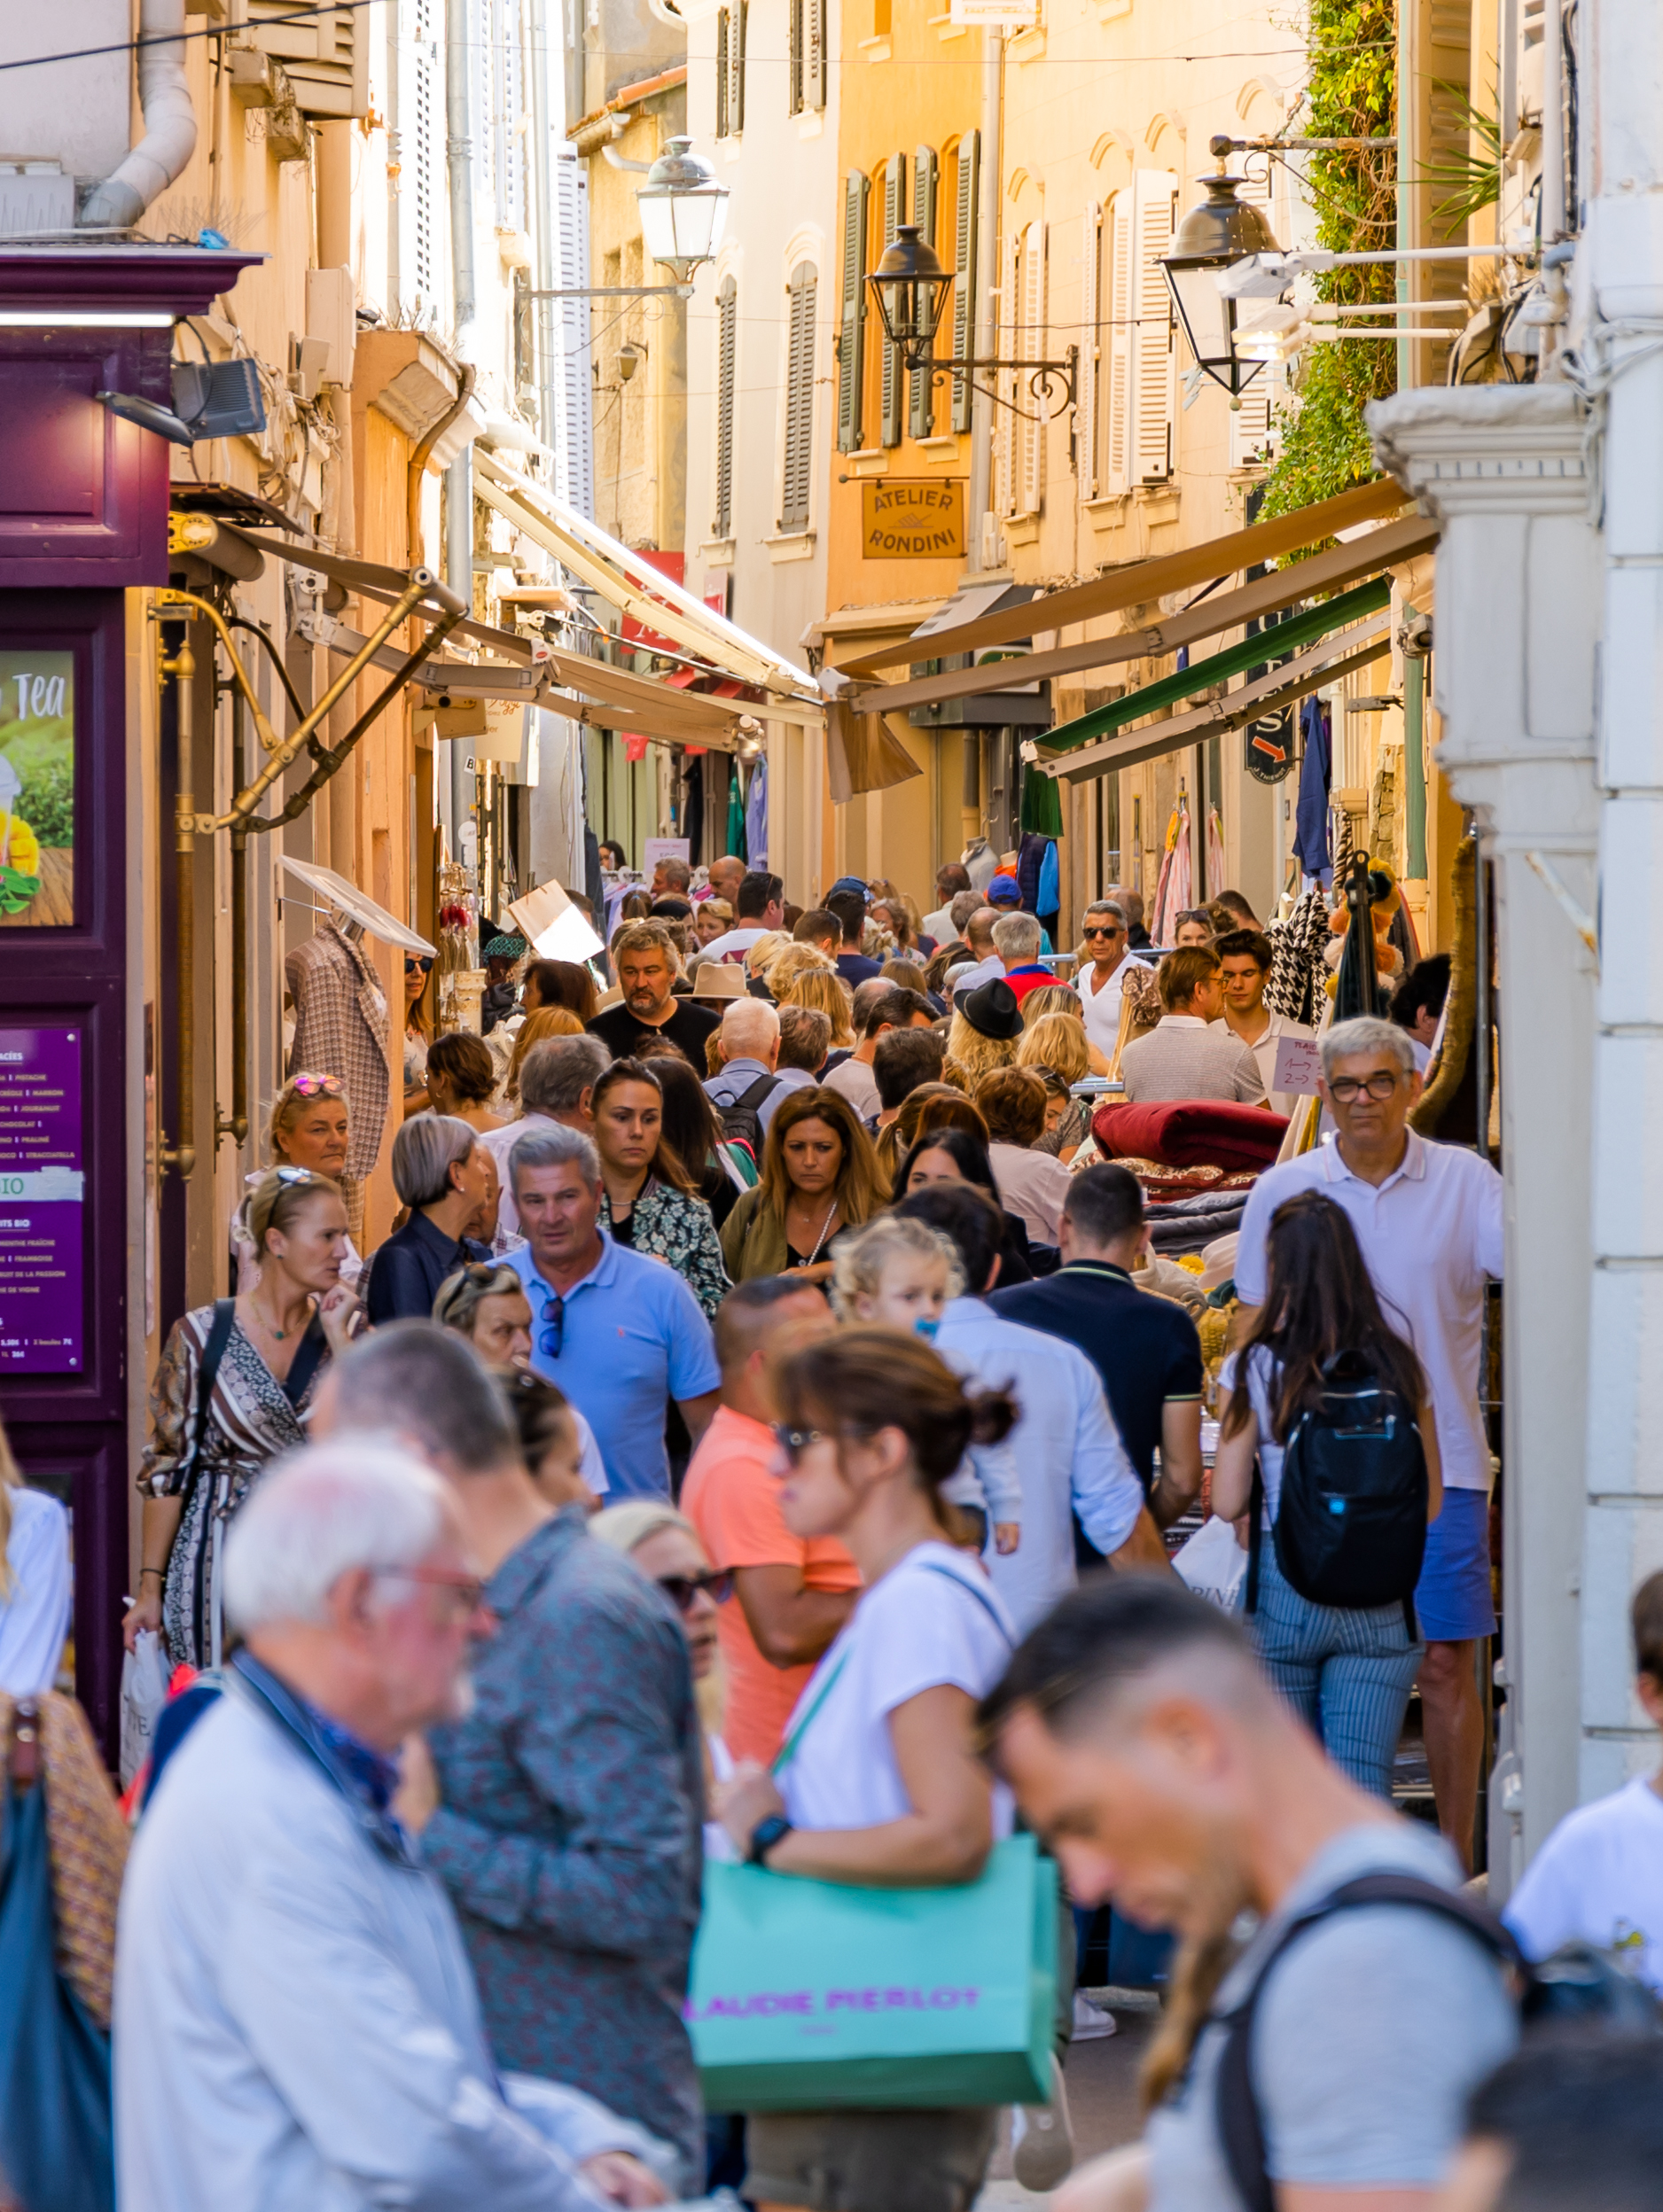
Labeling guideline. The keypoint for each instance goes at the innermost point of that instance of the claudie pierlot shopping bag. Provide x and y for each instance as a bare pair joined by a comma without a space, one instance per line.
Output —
806,1996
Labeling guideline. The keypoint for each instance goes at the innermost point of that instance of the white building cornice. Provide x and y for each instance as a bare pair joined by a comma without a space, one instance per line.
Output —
1487,448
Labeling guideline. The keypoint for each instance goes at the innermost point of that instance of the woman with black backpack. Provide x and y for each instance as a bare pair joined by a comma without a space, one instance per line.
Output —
1327,1444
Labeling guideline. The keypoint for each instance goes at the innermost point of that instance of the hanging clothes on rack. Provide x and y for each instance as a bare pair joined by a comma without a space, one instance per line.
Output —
1178,875
756,814
1215,855
341,1029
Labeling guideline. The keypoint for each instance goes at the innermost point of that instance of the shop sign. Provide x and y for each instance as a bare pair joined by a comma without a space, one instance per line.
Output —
1010,15
37,790
912,518
43,1185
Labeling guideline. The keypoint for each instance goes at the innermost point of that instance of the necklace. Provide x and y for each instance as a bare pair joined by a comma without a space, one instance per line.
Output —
830,1210
270,1327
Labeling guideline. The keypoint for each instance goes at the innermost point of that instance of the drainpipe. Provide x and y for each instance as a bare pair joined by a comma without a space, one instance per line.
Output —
459,475
1414,759
170,140
985,338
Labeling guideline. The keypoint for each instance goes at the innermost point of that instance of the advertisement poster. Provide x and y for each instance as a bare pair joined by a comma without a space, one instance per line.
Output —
37,790
43,1187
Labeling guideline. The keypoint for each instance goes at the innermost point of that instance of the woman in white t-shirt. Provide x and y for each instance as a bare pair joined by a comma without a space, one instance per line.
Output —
877,1783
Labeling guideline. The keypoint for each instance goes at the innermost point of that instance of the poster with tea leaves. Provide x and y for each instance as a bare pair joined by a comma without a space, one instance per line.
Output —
37,790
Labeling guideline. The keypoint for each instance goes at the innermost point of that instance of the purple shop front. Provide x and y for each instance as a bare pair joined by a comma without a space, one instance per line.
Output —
42,1203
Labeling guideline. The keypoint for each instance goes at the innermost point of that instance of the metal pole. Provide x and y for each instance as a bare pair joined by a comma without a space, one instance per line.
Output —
1414,760
1481,1027
180,1157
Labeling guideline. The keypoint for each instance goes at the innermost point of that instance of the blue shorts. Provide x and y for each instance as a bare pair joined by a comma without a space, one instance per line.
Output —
1453,1596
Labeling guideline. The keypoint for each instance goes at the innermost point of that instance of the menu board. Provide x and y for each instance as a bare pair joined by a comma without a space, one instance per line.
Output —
42,1187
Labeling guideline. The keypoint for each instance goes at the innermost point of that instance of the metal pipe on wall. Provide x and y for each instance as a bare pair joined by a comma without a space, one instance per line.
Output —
180,1157
1414,761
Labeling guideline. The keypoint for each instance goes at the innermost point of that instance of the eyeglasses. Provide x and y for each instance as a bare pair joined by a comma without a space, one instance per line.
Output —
467,1592
794,1442
296,1175
553,1335
412,962
1110,931
681,1590
1346,1088
318,1085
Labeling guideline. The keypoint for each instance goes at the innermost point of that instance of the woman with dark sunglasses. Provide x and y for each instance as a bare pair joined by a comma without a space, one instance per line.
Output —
418,968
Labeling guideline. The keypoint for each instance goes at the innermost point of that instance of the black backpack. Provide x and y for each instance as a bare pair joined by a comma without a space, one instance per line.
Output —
1578,1985
1351,1526
742,1121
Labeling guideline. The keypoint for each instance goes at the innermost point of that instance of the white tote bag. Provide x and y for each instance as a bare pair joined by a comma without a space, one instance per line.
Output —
1213,1564
143,1693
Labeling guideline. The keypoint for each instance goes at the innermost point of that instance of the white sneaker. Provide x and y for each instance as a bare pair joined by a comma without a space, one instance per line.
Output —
1091,2019
1043,2139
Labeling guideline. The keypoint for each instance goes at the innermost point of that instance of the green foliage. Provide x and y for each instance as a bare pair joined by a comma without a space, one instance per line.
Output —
1473,180
47,803
1352,94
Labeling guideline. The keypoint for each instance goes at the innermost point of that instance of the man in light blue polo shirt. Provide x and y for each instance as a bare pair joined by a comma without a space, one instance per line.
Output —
620,1333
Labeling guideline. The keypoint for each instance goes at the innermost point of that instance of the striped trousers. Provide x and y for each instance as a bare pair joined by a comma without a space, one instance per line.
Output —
1347,1672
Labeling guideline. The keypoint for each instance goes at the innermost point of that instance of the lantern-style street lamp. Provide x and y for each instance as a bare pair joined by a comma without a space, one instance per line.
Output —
683,210
910,287
1212,237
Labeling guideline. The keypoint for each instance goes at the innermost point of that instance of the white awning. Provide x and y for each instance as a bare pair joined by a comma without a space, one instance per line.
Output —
639,590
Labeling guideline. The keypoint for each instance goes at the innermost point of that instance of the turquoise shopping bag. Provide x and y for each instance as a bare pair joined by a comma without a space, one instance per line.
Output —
806,1996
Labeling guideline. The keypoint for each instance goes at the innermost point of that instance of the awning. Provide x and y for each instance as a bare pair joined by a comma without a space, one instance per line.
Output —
1143,582
630,583
1303,629
1364,555
1324,663
356,905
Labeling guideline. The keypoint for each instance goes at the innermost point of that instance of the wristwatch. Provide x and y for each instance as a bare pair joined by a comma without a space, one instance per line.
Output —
764,1835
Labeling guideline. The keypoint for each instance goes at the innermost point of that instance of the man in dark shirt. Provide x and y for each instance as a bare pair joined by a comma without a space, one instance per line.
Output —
1145,1348
853,964
649,1013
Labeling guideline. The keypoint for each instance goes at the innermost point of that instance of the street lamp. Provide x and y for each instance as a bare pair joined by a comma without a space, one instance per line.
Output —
911,288
1212,238
683,210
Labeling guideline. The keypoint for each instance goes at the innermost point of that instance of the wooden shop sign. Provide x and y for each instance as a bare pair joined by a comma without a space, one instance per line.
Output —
912,518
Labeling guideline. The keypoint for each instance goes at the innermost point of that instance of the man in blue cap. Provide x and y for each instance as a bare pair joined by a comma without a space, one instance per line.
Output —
847,898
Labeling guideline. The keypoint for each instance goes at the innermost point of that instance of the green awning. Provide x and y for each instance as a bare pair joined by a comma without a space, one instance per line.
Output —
1252,652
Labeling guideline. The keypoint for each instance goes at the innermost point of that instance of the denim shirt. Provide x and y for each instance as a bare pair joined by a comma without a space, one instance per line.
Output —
569,1832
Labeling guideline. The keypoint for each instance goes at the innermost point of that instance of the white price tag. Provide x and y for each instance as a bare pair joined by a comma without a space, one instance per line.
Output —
1299,1065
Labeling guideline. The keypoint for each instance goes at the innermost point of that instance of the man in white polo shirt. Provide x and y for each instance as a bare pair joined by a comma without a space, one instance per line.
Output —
1428,1217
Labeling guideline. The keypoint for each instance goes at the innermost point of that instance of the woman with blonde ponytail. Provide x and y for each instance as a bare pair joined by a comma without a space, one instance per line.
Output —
33,1582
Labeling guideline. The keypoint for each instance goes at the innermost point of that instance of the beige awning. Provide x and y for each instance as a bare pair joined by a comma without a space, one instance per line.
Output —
1364,555
1141,582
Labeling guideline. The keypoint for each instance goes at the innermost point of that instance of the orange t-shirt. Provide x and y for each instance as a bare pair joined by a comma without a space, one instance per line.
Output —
732,1500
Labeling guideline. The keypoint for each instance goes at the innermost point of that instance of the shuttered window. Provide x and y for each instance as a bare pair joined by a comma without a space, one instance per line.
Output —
852,332
574,458
722,41
797,470
1091,350
1030,346
325,52
727,366
967,211
808,55
926,186
1251,424
1154,350
427,124
893,375
739,25
1114,415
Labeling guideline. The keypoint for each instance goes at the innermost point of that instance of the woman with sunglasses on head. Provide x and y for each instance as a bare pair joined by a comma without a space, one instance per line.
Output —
648,1198
418,968
820,1178
877,1783
235,1389
309,1126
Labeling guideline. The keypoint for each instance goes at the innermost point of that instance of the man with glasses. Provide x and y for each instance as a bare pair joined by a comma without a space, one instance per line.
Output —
619,1332
1428,1217
1103,960
562,1811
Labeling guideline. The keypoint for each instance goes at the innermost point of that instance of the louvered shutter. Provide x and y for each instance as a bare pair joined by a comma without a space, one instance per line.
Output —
1116,414
325,52
723,120
1154,355
575,460
426,126
797,474
727,365
1030,432
966,217
1090,342
741,15
852,335
1250,423
925,182
1007,346
893,375
794,18
814,53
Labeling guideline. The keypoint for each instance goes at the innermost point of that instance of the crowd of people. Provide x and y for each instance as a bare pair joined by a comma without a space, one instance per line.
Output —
719,1461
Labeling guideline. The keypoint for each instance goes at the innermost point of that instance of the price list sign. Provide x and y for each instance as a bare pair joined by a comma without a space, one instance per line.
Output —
41,1193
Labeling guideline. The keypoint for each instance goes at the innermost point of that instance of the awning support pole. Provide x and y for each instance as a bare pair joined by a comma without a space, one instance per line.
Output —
180,1158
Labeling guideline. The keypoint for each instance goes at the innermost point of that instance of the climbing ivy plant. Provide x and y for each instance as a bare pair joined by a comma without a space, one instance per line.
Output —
1352,94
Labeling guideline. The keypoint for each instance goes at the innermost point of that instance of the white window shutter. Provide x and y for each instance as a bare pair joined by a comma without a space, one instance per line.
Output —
1030,433
1154,354
814,56
1251,424
325,52
1116,376
1007,348
575,460
1090,344
723,38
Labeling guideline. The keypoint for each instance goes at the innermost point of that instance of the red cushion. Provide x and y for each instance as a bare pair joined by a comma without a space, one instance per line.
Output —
1190,1132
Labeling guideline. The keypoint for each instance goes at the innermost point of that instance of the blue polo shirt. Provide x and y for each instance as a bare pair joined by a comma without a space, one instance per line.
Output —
633,1337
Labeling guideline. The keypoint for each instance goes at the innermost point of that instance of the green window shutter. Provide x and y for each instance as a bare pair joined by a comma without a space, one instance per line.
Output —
814,53
966,217
741,24
852,335
893,375
721,72
926,181
727,348
795,75
797,474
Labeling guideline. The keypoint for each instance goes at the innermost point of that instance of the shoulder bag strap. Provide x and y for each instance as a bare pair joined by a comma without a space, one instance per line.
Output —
759,1092
218,1337
1237,2116
1256,1536
313,1350
931,1567
788,1750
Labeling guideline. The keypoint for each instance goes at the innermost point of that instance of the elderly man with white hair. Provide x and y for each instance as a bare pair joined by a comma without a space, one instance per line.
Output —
295,2021
746,1084
1428,1219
